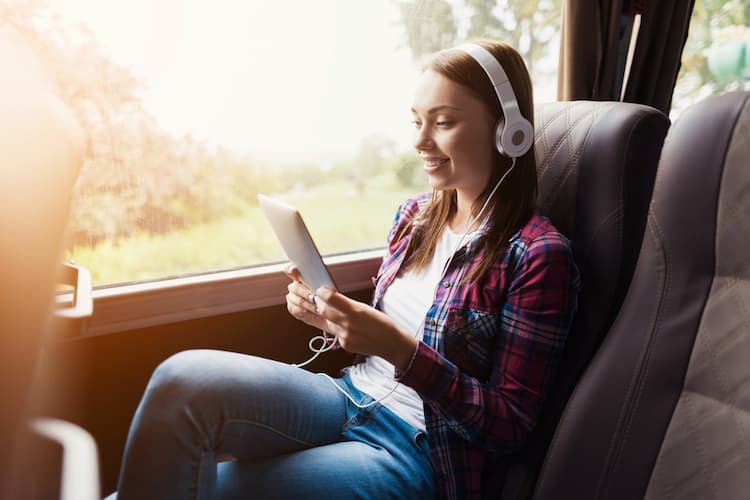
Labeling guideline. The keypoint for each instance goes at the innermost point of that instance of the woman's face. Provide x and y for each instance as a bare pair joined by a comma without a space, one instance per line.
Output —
454,135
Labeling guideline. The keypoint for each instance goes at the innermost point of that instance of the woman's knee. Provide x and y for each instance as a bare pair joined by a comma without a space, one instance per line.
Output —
178,380
209,378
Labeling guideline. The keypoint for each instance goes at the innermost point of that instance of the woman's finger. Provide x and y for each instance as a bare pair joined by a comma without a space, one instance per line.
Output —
302,302
297,307
300,289
307,317
335,299
292,272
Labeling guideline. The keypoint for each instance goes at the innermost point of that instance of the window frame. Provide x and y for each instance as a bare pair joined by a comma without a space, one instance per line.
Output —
121,308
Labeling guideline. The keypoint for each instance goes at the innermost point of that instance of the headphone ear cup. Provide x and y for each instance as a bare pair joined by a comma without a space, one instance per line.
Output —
515,139
516,136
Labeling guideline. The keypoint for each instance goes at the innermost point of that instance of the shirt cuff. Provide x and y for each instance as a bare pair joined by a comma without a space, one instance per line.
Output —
429,373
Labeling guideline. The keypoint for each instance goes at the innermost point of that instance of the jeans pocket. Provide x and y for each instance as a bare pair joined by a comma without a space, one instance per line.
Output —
355,399
423,445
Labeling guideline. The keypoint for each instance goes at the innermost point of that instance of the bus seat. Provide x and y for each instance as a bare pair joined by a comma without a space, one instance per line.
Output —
596,164
663,410
42,151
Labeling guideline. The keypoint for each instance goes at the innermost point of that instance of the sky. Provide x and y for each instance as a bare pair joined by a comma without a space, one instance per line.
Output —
284,80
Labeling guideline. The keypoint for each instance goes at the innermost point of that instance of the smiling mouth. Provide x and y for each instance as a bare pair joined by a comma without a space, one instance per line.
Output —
432,165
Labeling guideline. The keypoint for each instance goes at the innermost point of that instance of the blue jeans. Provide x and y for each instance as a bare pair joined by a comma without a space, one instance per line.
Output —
290,434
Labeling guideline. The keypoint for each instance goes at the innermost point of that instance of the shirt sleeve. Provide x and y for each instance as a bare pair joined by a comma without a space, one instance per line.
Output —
498,414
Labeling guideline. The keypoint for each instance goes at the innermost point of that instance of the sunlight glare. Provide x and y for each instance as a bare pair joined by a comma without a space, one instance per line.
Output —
289,81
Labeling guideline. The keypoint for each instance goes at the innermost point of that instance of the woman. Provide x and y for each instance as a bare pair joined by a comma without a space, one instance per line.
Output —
472,305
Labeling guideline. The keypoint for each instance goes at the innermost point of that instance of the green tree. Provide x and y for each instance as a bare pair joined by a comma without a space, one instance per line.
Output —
528,25
372,159
406,168
714,23
533,27
430,25
136,177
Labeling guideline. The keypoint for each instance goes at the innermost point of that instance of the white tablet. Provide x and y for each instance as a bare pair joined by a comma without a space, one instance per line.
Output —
296,241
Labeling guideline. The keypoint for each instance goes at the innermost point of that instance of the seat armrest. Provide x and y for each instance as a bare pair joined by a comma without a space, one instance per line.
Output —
80,467
80,279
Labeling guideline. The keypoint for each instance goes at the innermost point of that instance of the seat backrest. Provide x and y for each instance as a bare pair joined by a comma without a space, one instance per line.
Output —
40,153
664,407
596,165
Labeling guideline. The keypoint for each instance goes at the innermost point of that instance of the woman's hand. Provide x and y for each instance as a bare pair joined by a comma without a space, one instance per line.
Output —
363,329
299,301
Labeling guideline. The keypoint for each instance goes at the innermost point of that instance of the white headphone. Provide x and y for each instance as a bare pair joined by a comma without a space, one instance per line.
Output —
515,135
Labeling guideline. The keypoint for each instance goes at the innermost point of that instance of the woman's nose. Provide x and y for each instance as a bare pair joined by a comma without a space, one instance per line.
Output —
422,139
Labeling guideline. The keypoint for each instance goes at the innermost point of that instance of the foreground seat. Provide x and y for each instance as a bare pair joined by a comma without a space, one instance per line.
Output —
42,151
663,411
596,168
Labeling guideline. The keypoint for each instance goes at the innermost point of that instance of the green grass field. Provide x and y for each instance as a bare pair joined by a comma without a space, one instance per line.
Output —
339,220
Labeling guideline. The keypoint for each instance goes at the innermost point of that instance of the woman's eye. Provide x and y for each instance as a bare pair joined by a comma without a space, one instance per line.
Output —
443,123
417,124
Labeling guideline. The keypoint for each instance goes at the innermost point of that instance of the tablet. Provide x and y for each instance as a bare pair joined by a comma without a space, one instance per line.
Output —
296,241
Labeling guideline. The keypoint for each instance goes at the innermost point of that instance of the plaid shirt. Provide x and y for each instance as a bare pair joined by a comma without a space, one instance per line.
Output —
490,347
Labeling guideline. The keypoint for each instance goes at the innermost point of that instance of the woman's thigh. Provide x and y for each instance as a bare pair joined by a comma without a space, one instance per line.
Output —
203,403
345,470
247,406
378,456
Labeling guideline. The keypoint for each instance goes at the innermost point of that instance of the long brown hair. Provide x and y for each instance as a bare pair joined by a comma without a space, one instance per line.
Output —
514,202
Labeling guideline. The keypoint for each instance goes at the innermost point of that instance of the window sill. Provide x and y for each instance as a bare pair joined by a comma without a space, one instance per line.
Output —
128,307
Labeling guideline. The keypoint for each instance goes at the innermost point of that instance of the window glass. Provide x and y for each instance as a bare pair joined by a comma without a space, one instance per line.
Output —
191,108
716,58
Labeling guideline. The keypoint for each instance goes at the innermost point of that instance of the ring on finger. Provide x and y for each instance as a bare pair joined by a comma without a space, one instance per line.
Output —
311,297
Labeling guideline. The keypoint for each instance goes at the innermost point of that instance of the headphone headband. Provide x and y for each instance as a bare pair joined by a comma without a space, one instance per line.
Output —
514,137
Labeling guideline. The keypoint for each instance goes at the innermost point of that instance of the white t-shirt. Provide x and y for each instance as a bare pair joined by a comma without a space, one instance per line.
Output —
406,301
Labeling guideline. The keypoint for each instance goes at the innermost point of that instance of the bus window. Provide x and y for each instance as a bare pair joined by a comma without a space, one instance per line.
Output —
716,58
192,108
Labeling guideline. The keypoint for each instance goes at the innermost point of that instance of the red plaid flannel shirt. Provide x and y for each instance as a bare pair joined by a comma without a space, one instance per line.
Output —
490,347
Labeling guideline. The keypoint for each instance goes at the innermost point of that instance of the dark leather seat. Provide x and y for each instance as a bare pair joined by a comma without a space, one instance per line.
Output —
663,410
596,166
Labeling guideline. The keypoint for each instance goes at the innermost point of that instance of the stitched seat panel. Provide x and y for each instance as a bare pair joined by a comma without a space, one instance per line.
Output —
706,450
